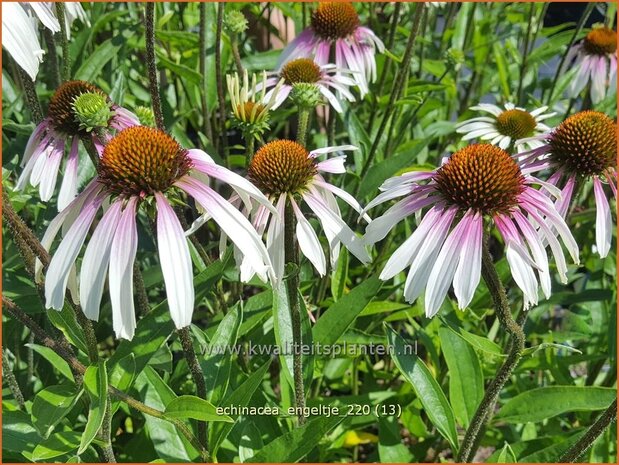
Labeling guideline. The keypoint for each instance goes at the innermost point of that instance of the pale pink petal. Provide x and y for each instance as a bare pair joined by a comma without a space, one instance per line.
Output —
308,241
603,219
68,188
468,272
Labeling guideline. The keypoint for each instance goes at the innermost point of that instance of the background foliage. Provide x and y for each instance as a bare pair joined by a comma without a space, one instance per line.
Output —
467,53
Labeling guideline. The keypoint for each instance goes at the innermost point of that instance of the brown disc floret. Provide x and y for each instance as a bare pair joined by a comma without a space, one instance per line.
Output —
335,20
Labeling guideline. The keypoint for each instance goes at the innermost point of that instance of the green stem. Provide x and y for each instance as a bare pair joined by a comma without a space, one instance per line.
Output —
11,381
249,148
106,433
30,94
395,93
303,125
292,285
604,420
64,38
219,79
579,26
140,290
184,335
52,59
151,65
206,115
501,304
234,43
525,53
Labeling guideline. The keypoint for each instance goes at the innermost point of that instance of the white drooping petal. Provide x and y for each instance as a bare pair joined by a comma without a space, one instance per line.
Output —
337,148
331,221
468,272
175,263
537,250
232,222
275,237
603,219
20,38
309,242
444,268
122,257
44,12
96,261
345,196
68,188
380,227
332,165
58,272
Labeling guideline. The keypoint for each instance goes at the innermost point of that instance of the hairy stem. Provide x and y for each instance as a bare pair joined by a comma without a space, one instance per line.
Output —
151,65
106,433
64,40
30,94
395,93
303,125
234,43
525,53
292,286
219,79
184,335
501,304
140,290
595,431
52,59
206,114
11,381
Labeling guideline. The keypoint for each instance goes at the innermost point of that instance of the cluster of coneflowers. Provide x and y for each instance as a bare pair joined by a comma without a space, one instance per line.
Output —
495,184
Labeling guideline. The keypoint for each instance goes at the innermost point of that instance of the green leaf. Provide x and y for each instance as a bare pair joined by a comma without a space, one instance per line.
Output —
507,455
121,377
546,402
339,316
217,362
338,279
18,434
66,321
390,447
56,360
170,445
194,407
51,405
466,380
240,396
251,440
92,66
429,392
57,444
296,444
478,342
95,384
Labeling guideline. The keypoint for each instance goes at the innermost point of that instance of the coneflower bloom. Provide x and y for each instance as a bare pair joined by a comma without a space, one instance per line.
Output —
63,128
285,171
336,26
506,126
596,62
582,149
144,167
477,187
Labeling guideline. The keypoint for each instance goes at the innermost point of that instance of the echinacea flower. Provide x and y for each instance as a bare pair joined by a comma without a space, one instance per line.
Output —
20,35
477,187
336,26
582,149
74,106
144,167
596,63
307,71
250,104
286,172
506,126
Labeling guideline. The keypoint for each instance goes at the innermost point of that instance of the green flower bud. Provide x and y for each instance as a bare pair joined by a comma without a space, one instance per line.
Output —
92,111
235,22
306,95
146,116
454,58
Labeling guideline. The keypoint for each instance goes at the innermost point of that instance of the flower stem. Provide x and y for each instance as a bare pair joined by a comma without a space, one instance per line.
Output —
396,91
581,22
206,115
499,297
234,43
303,125
11,381
292,286
184,335
30,95
151,65
64,38
51,58
106,433
525,53
140,290
604,420
219,79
